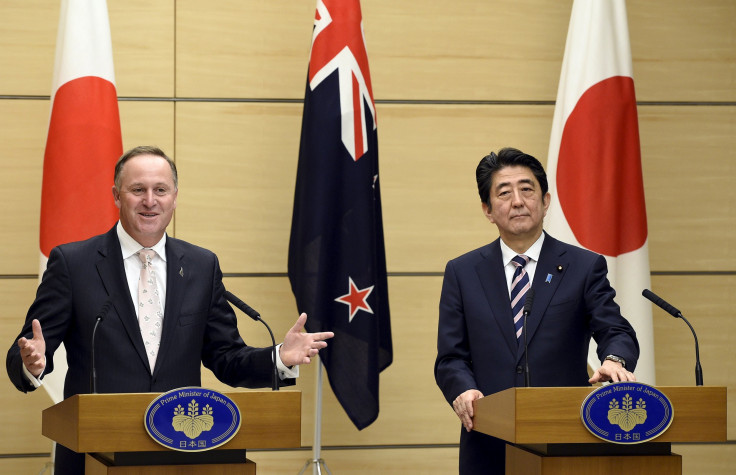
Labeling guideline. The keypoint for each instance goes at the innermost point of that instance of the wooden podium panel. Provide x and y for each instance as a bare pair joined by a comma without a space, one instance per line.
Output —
520,461
546,436
552,415
114,422
95,466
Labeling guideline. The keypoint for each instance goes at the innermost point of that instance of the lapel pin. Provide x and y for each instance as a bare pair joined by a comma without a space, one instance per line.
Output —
548,279
181,271
559,268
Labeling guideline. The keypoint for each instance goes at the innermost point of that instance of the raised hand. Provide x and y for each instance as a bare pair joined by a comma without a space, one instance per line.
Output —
33,351
300,347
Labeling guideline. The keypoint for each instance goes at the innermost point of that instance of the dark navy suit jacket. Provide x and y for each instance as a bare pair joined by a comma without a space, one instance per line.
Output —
477,346
199,326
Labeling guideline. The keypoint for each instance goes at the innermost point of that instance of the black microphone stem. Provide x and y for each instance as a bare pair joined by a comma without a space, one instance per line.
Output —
248,310
660,302
94,365
698,369
100,316
527,376
275,382
528,302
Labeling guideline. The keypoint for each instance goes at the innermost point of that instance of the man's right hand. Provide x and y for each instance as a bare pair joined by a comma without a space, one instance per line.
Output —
33,351
463,406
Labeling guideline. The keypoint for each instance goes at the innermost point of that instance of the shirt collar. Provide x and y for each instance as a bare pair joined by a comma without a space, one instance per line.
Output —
130,246
532,253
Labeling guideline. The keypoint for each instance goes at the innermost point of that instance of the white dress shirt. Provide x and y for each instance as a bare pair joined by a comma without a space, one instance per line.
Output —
532,253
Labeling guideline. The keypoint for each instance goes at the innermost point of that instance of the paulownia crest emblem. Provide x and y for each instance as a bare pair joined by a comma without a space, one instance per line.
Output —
192,423
625,416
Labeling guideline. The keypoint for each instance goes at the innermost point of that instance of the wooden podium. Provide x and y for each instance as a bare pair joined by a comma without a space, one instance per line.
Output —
545,435
109,429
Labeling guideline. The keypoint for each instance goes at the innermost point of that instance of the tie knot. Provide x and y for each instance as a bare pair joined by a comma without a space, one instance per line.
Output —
520,260
145,255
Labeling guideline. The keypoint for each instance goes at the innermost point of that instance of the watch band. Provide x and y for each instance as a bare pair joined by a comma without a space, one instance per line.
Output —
616,359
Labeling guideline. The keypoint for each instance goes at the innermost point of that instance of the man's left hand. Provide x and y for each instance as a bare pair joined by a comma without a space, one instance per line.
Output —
611,371
300,347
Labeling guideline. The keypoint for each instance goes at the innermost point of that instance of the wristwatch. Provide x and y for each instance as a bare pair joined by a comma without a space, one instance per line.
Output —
616,359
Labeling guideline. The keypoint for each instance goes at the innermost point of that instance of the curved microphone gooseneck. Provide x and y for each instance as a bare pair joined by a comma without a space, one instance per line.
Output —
677,314
248,310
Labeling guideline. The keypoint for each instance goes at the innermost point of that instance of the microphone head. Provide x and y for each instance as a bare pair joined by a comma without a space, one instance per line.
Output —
648,294
105,308
660,302
244,307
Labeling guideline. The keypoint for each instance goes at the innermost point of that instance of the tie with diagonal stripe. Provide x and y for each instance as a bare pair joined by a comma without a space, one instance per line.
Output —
519,286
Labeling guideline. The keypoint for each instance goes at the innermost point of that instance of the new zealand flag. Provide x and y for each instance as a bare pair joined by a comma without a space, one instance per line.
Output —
337,262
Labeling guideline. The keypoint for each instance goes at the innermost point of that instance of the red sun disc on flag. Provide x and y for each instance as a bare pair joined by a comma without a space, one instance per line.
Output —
83,144
599,177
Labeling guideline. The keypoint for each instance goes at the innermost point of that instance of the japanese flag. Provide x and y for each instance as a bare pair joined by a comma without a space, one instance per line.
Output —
83,143
594,162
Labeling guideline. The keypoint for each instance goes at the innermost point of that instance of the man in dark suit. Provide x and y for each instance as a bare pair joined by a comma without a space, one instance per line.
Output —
193,324
480,351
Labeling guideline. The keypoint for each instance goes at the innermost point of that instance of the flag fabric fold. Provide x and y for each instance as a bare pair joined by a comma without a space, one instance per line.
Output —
83,143
594,162
337,263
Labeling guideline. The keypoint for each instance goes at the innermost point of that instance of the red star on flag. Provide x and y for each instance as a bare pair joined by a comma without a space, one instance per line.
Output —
356,299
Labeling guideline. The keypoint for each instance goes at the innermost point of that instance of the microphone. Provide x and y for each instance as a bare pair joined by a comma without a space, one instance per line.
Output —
248,310
528,302
661,303
677,314
100,316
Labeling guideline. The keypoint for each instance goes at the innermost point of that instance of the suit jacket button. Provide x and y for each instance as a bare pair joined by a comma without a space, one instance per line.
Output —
519,370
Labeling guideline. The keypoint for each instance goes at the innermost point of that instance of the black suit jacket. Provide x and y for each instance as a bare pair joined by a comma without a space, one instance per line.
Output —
477,346
199,326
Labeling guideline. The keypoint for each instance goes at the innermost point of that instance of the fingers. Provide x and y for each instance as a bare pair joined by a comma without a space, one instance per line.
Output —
299,325
34,360
23,343
317,345
623,376
307,358
27,347
463,406
612,376
301,322
620,374
596,378
36,327
300,347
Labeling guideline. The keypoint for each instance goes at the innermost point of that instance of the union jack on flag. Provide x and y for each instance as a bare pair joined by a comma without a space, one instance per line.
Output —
338,45
337,262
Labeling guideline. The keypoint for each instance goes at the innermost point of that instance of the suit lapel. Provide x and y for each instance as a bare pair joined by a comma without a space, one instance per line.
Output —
551,268
493,280
176,278
112,273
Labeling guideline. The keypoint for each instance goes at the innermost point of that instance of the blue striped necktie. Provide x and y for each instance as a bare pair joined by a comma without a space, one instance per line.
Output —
519,286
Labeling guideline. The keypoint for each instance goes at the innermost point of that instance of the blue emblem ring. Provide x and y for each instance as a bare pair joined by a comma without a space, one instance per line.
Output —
627,413
192,419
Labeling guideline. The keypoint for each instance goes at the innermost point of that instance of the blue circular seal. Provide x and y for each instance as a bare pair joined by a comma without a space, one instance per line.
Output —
627,413
192,419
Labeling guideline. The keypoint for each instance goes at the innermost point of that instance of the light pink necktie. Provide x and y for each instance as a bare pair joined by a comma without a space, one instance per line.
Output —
150,314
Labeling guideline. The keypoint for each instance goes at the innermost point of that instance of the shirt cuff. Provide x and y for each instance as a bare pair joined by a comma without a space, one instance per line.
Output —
36,382
284,371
